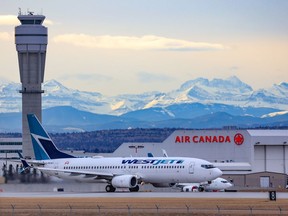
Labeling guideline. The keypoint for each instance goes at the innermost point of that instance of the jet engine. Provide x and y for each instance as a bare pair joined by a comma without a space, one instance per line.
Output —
193,188
124,181
190,188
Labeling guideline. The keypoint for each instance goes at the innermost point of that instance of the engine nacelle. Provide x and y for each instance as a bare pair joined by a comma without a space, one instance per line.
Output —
162,185
124,181
190,188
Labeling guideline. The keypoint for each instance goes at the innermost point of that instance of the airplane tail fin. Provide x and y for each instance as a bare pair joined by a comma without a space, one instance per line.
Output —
164,153
43,146
149,154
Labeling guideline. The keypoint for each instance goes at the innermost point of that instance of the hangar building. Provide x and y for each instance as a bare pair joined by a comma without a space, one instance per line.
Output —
250,158
9,147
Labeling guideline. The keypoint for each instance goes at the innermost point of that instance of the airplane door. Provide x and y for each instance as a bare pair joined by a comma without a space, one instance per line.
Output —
191,167
55,167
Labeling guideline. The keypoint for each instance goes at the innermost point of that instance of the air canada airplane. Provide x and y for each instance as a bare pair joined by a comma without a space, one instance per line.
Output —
117,172
218,184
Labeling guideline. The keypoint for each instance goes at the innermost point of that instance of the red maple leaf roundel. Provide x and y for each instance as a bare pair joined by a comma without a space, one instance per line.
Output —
238,139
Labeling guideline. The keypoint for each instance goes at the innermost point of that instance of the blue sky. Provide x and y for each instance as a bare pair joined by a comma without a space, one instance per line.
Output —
132,46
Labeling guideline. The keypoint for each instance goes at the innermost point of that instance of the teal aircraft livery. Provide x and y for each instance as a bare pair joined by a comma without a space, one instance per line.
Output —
152,161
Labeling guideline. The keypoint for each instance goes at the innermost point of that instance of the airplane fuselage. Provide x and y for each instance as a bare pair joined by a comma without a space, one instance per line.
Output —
152,170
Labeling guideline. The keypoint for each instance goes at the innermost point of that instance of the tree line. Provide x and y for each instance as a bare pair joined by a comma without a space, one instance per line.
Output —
102,141
107,141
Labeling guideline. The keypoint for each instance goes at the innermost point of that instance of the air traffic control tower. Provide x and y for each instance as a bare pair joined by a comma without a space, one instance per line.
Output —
31,40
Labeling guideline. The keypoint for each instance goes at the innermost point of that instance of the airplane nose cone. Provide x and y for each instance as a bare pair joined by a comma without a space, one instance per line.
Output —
217,172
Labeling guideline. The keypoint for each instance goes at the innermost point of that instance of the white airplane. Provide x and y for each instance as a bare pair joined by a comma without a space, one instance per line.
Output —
117,172
218,184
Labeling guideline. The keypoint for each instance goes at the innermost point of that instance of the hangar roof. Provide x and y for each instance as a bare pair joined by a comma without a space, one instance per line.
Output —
269,137
268,132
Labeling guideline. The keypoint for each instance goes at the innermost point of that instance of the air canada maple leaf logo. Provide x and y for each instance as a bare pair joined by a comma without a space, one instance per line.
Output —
238,139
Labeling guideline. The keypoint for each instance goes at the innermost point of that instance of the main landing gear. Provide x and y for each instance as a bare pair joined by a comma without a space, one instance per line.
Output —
110,188
200,189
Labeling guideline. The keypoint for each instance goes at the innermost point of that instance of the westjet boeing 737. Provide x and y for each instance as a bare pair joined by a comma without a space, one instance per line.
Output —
117,172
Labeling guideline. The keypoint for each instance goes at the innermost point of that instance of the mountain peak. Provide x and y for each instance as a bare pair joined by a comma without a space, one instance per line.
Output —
53,82
230,82
190,83
229,91
218,90
54,86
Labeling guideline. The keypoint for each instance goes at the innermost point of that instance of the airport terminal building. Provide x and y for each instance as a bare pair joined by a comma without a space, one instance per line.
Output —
9,147
250,158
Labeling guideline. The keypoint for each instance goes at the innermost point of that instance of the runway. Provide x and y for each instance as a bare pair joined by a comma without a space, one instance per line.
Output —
222,195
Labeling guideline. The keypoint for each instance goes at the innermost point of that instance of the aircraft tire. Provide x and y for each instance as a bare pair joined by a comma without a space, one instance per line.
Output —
134,189
200,189
110,188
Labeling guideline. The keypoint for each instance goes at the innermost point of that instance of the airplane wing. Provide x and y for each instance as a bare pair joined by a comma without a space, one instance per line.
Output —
203,184
107,176
86,173
35,162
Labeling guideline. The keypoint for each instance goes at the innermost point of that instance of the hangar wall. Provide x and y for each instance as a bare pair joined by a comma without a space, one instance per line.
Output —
270,158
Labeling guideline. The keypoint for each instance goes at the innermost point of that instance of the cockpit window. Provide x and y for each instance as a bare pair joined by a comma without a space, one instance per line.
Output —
207,166
224,182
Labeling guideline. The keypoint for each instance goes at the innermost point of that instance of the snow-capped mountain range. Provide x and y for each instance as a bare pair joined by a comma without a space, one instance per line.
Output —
199,103
231,91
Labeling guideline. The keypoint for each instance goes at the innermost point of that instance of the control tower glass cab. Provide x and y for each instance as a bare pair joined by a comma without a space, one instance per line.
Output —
31,39
31,19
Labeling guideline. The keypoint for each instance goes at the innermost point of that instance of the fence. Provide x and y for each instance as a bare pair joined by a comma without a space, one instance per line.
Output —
73,210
